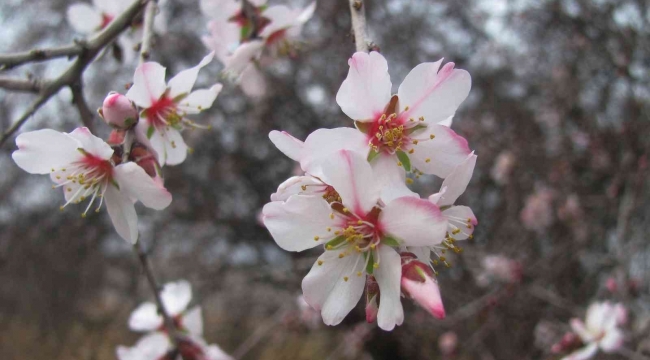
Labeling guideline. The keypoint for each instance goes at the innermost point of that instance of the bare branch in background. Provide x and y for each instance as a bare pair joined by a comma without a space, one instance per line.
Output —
89,50
147,35
358,13
80,103
8,61
33,85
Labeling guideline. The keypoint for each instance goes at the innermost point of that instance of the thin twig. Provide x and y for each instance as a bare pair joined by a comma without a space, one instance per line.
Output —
73,74
80,103
358,13
259,333
26,85
8,61
147,34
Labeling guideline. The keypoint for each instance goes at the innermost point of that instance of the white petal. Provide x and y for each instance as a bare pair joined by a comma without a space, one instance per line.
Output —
300,223
423,253
253,82
584,353
175,147
388,276
365,92
152,346
446,122
183,82
214,352
413,221
92,144
457,219
137,184
223,38
390,177
122,212
579,328
446,150
281,17
242,56
42,150
156,143
289,145
322,143
148,84
193,321
84,18
295,185
176,296
326,290
220,9
145,318
432,94
352,177
612,341
307,13
456,183
200,100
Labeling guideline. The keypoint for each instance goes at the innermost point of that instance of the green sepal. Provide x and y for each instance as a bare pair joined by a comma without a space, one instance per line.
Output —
150,131
180,97
443,208
404,158
390,241
82,151
415,128
128,122
115,184
244,32
335,242
421,272
372,154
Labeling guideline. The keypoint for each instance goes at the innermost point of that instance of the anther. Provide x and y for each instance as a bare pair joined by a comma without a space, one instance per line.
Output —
316,238
320,262
427,160
345,278
432,136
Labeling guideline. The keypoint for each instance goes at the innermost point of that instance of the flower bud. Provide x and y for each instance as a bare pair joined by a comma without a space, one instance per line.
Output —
372,294
118,111
418,284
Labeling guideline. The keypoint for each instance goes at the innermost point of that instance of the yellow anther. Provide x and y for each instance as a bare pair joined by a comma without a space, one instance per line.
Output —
469,226
320,262
373,246
345,210
375,265
61,208
304,187
421,118
409,181
358,273
341,255
456,231
83,215
411,119
399,163
329,229
345,278
53,170
442,258
427,160
406,108
471,236
359,222
469,220
411,151
332,216
415,142
316,238
432,136
69,189
328,247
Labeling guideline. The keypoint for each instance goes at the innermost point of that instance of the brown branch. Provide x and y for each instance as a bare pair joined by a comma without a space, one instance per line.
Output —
26,85
147,33
91,49
358,13
8,61
80,103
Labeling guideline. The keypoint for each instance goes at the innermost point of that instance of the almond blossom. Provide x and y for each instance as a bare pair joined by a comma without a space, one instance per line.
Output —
87,19
156,344
419,284
600,331
165,106
84,166
359,234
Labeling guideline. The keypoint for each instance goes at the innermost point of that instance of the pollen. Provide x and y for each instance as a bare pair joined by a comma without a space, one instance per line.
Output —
415,142
421,118
409,181
359,273
329,229
320,262
332,216
399,163
432,136
406,108
375,265
428,160
411,151
345,278
341,255
316,238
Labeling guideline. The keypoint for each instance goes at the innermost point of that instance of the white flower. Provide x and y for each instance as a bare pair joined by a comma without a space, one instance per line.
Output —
359,233
175,297
88,19
157,346
601,330
82,165
165,106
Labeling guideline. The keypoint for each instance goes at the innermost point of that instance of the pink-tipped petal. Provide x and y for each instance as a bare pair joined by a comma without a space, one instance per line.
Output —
440,155
461,221
426,294
365,92
352,177
92,144
289,145
122,212
323,143
183,82
432,94
148,84
413,221
303,185
42,150
325,287
300,223
137,184
388,276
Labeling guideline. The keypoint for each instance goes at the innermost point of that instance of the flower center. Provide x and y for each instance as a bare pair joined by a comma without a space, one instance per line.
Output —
163,112
388,134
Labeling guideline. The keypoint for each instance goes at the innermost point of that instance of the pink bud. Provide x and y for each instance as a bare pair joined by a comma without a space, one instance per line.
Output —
418,283
118,111
116,137
611,285
372,294
448,342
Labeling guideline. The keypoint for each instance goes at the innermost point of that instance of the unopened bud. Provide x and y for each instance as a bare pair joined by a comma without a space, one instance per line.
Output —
145,159
118,111
418,284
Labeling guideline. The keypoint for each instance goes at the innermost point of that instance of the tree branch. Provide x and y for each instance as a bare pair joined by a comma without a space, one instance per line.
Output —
358,13
26,85
79,101
90,50
147,34
8,61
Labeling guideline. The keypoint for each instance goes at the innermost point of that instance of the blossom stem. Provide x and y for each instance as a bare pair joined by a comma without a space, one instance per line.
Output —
156,288
358,14
147,34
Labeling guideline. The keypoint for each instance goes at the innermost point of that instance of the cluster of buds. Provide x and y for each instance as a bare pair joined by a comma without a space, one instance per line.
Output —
353,196
245,34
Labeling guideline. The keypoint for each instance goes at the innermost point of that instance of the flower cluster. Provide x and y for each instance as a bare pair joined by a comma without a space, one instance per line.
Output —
245,34
127,168
187,343
353,198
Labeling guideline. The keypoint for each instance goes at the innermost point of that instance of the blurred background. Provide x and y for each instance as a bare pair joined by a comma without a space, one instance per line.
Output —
558,115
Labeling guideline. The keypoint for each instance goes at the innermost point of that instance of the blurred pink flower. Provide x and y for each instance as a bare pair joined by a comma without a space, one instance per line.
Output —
600,331
502,167
537,213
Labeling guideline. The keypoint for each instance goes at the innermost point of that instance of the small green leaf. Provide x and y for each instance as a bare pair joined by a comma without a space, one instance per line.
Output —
372,154
364,127
371,263
150,131
128,122
335,242
406,162
389,241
